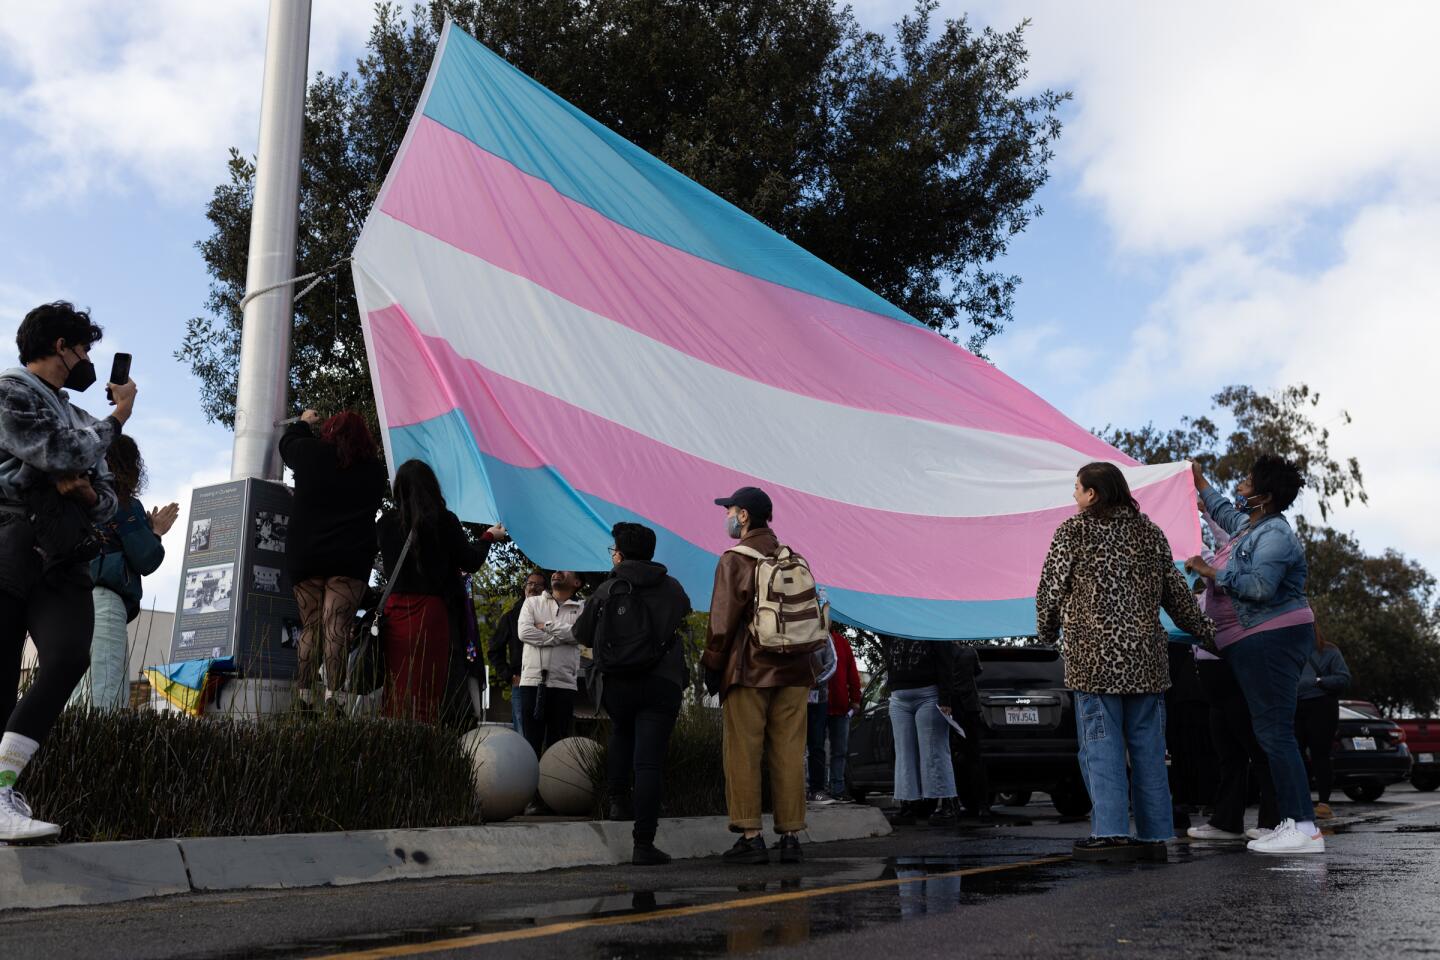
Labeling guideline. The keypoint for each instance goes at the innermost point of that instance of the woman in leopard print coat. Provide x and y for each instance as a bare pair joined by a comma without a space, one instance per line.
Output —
1108,574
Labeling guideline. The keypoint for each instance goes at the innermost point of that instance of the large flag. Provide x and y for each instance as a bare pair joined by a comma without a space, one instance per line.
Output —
572,334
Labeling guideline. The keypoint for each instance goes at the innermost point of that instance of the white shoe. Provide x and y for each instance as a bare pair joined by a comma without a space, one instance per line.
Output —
1207,832
16,823
1258,833
1288,838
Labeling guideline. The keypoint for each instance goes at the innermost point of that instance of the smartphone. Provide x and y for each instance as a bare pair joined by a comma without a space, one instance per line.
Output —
119,372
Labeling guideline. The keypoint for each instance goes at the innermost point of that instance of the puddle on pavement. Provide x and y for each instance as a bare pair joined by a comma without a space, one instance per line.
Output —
928,890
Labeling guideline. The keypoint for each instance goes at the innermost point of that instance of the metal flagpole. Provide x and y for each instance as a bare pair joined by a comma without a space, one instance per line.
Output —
265,336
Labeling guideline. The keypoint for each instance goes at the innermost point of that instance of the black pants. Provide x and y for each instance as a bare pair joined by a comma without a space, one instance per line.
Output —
642,713
555,720
973,780
1238,751
1316,721
60,618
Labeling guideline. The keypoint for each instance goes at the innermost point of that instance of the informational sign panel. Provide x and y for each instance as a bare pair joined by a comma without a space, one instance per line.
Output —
235,594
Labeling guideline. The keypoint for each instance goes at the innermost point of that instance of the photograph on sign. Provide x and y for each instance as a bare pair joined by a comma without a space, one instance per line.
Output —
209,589
266,579
271,530
200,535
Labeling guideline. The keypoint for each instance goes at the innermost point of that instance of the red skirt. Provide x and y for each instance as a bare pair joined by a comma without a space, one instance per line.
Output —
416,634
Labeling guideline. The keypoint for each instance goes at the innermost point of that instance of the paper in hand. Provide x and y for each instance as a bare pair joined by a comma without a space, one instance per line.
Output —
951,720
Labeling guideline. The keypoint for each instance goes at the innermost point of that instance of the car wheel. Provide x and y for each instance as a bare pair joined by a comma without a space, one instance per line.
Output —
1013,798
1070,799
1367,791
1424,783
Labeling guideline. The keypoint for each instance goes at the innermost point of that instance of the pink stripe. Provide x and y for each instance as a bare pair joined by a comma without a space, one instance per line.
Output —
859,548
453,190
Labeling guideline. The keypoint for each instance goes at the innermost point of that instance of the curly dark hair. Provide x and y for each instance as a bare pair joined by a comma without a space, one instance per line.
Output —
54,321
635,541
1278,477
124,460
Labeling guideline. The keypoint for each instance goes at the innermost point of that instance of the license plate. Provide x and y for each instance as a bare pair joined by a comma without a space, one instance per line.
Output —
1022,715
1363,743
1426,758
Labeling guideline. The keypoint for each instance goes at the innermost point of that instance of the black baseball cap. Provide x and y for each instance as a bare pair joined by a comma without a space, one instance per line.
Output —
753,499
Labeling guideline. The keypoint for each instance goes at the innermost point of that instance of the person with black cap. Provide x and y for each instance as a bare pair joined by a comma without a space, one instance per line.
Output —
763,689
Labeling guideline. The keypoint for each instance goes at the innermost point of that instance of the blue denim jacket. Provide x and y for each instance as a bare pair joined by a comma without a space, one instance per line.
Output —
1266,573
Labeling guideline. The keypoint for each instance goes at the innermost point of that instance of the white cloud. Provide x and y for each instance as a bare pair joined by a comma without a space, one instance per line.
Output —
154,93
1196,122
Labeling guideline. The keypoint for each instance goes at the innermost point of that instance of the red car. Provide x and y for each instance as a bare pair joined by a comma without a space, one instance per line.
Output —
1423,738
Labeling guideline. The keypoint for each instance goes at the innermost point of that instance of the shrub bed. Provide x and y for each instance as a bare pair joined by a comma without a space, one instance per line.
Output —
694,766
127,775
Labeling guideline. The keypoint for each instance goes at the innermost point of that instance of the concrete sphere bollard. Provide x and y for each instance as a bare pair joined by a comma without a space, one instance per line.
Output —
506,771
565,783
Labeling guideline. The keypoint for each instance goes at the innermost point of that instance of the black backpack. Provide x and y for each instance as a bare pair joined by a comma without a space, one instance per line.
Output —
625,636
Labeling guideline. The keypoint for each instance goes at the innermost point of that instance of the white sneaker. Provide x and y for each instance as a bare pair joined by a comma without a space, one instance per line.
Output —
16,823
1207,832
1258,833
1288,838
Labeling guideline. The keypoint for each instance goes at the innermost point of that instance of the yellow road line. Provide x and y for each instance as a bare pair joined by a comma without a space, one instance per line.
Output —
555,929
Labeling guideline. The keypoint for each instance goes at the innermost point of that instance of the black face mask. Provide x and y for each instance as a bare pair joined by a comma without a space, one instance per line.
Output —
80,377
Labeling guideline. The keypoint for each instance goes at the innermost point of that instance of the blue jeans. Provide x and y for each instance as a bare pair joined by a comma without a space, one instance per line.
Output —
923,769
820,726
1110,726
1267,666
515,719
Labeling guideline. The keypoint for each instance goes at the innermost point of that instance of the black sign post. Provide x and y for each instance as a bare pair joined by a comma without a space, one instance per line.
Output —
235,595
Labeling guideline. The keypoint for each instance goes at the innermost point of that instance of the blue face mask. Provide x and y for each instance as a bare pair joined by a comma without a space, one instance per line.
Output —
732,527
1245,504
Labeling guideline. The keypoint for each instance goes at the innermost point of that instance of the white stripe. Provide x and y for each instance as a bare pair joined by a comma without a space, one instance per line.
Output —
518,329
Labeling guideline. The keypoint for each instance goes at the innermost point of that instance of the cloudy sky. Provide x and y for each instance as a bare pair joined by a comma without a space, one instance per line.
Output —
1244,193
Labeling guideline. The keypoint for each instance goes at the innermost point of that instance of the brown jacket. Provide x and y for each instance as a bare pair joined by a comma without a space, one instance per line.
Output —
732,648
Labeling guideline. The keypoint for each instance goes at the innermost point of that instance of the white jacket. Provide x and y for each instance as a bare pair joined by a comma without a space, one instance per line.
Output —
550,649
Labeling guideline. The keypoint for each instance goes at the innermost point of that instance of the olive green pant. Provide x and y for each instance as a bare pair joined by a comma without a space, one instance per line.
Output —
765,722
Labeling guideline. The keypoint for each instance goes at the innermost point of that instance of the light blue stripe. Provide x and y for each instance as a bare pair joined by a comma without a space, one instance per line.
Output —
483,98
563,528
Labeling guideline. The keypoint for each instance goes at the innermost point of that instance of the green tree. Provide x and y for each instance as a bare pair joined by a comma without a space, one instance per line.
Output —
907,163
1381,609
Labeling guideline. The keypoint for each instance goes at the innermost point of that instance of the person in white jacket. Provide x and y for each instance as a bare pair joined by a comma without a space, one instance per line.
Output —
551,662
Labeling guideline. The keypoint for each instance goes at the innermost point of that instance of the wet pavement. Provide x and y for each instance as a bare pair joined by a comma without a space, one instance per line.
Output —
1009,891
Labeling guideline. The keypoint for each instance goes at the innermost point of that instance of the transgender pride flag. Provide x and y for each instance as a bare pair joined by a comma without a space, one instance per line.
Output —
572,334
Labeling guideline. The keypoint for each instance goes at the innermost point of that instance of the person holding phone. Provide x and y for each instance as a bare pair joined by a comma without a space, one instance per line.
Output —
130,548
54,485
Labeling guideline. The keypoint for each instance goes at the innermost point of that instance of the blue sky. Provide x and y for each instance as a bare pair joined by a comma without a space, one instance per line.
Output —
1243,194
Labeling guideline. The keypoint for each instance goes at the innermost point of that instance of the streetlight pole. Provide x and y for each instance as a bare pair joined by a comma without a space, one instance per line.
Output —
265,336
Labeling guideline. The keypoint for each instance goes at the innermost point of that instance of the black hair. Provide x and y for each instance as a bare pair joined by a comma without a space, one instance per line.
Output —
420,504
1277,477
635,541
1112,492
54,321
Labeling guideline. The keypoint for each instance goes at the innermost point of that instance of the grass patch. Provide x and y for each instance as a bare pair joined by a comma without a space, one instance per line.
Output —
133,775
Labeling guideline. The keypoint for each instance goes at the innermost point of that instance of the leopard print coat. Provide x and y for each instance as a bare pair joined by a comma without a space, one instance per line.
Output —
1104,583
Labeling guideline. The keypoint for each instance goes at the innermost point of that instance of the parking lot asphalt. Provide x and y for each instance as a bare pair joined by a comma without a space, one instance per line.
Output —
1005,891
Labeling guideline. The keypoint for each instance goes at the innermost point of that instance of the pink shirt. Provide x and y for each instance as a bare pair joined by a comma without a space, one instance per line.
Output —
1228,629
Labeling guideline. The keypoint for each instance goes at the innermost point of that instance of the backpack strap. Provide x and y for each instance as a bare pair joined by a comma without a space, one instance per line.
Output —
750,552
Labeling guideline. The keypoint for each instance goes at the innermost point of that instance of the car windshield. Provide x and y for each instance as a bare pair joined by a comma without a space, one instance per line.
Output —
1348,714
1021,667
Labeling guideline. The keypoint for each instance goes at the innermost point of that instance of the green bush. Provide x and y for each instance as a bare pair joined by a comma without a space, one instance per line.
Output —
127,775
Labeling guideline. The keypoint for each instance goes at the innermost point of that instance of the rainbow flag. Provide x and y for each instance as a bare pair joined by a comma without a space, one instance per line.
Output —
571,333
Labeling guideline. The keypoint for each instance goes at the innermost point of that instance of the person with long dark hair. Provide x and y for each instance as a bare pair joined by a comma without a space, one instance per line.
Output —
1323,679
54,484
416,630
1265,629
330,548
1107,576
130,548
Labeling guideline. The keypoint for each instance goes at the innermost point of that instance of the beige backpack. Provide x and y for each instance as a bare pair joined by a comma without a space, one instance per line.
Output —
789,616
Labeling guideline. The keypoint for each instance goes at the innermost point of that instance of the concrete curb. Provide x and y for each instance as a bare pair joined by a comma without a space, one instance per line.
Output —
91,873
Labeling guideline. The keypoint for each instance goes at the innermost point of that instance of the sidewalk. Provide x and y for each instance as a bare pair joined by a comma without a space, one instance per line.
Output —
90,873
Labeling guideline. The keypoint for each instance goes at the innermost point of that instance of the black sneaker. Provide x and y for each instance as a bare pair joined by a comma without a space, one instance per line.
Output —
1102,849
905,816
790,849
649,855
1153,851
620,809
944,815
747,851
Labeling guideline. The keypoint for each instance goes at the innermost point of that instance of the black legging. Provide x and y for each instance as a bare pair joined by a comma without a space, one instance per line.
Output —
642,713
1239,753
60,618
974,780
1316,720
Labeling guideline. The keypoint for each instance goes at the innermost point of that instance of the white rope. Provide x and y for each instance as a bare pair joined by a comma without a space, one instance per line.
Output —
315,278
